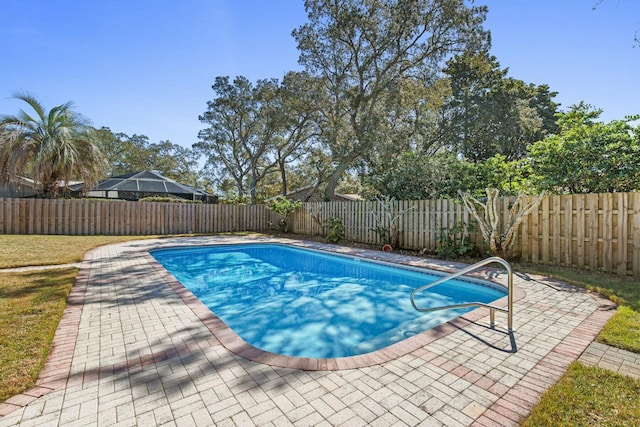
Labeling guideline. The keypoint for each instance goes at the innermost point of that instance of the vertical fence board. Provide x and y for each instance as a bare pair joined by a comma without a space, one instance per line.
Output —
43,210
59,211
423,208
592,203
580,229
86,218
545,230
6,222
535,235
524,232
433,224
3,216
34,212
621,254
555,230
40,211
50,216
568,232
46,218
635,235
607,231
19,217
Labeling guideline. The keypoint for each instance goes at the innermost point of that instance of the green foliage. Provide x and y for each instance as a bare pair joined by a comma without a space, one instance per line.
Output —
168,199
489,113
384,234
454,242
585,156
510,177
49,146
413,176
126,154
364,52
335,229
283,207
237,140
255,130
387,214
588,156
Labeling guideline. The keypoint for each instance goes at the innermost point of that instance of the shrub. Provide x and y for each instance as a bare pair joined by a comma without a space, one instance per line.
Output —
283,207
335,229
454,242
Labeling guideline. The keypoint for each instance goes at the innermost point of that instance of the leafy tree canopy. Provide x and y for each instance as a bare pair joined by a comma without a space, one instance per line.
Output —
362,50
126,154
587,155
489,113
414,176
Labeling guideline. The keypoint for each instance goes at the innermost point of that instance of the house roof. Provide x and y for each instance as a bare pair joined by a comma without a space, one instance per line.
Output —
312,194
146,182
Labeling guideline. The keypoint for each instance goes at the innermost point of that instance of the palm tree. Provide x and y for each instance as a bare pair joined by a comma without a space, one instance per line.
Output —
53,146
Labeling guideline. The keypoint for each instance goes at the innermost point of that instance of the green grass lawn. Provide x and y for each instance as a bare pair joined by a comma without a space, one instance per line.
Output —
589,396
31,304
21,251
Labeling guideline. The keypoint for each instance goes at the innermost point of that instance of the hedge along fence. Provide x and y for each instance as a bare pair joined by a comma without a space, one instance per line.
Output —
586,231
118,217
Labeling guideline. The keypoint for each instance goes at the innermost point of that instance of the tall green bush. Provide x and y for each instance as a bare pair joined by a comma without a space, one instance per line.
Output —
283,207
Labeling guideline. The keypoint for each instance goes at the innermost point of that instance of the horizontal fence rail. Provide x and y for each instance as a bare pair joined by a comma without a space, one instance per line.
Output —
97,217
597,232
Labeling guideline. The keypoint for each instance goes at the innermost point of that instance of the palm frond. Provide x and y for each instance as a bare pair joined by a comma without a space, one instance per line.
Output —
54,145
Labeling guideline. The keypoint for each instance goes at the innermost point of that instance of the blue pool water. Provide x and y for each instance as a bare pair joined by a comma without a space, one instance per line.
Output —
307,303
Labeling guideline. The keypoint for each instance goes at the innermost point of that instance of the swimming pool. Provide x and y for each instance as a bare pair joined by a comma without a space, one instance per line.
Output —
306,303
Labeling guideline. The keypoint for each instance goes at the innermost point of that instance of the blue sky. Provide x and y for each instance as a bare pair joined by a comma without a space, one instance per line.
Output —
147,66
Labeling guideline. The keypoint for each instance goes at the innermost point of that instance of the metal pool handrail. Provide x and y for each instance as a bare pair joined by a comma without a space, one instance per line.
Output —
492,308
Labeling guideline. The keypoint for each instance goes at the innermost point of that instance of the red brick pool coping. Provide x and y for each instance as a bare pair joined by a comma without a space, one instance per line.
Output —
229,339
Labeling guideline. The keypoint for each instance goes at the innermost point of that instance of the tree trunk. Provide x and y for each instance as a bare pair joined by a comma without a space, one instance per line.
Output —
49,189
283,177
252,189
344,164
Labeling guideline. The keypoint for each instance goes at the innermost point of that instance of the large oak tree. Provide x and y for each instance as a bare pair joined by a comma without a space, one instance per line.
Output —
363,49
242,133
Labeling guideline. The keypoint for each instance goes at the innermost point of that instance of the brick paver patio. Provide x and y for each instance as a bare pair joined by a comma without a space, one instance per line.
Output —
135,349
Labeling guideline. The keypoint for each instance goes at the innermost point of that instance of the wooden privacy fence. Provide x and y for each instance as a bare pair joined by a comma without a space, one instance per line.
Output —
118,217
586,231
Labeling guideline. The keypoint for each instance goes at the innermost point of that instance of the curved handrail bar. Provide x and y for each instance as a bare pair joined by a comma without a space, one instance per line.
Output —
490,260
